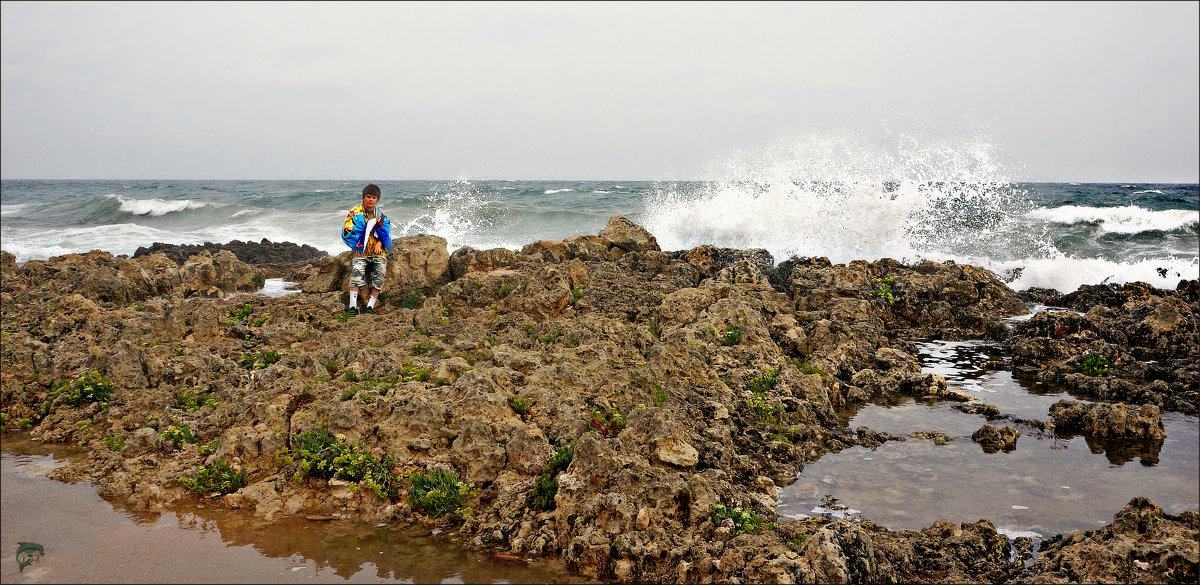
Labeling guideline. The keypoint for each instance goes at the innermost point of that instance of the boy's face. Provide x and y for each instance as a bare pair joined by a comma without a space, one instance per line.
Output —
369,202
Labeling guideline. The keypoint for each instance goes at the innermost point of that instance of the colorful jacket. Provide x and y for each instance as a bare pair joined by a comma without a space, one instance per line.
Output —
354,231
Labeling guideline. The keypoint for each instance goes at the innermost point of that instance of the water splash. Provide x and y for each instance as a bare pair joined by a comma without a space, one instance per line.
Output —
847,198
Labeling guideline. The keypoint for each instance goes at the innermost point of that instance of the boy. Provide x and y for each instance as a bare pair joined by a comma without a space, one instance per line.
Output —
368,232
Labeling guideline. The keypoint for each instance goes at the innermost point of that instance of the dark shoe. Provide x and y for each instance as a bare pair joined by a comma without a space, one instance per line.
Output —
369,310
352,311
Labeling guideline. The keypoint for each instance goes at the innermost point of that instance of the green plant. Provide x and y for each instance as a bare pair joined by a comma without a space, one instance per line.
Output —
409,372
576,293
805,367
438,493
520,405
529,329
655,330
331,366
412,300
209,448
731,335
560,459
351,376
195,399
422,347
258,321
178,435
113,442
760,384
1094,365
254,360
549,337
796,541
89,387
763,409
883,289
744,521
493,340
505,290
607,422
545,487
349,393
321,454
240,313
660,395
221,477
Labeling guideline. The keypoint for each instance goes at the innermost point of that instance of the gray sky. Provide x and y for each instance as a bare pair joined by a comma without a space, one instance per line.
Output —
1064,91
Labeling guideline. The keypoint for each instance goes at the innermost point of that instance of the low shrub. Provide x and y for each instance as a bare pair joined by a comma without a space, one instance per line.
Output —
883,289
320,454
760,384
89,387
1094,365
220,477
438,493
545,487
744,521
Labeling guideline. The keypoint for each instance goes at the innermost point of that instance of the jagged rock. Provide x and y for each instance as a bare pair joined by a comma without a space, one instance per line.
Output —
217,276
1142,545
672,341
627,235
1110,421
993,439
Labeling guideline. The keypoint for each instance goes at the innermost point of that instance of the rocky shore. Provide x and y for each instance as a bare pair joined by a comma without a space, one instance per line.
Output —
630,410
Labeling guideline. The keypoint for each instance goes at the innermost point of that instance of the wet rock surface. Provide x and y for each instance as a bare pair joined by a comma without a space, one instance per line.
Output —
1130,343
276,259
684,382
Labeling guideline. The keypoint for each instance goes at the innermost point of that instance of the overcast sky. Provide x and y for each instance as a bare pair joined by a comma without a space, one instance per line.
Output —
1064,91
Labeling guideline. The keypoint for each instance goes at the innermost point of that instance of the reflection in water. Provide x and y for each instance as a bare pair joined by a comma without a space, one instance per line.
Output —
1049,484
88,539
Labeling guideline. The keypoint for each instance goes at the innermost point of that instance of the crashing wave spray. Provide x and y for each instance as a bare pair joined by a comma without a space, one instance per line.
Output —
846,198
456,213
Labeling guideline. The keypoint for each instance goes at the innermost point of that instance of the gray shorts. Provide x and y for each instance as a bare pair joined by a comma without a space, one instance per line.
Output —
376,265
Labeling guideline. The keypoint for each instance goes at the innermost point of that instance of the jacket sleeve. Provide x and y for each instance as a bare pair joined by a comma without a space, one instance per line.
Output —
383,231
352,230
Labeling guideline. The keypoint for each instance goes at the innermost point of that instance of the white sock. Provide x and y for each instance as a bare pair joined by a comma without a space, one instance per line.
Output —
371,303
353,299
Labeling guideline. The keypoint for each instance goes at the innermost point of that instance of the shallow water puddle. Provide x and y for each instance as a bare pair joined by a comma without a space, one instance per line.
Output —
1047,485
89,539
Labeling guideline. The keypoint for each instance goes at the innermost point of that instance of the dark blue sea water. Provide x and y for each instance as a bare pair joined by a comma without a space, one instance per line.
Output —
1056,235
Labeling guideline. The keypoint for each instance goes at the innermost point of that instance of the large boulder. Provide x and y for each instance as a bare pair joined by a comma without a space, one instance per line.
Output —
217,276
627,235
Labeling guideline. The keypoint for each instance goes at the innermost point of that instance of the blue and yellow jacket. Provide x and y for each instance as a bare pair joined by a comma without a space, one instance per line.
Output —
354,232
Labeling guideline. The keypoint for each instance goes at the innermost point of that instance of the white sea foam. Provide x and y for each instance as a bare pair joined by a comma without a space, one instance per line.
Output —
115,238
553,191
155,207
1066,274
1130,219
1148,191
1015,534
12,210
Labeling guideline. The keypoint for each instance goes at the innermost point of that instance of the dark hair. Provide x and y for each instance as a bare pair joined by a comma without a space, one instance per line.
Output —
371,189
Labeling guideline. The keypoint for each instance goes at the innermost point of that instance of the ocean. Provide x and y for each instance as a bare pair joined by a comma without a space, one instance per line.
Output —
1049,235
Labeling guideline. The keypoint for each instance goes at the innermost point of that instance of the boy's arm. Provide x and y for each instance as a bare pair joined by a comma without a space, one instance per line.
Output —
383,230
352,229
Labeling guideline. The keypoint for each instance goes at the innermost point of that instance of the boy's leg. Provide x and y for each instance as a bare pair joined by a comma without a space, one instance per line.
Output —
358,278
378,271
